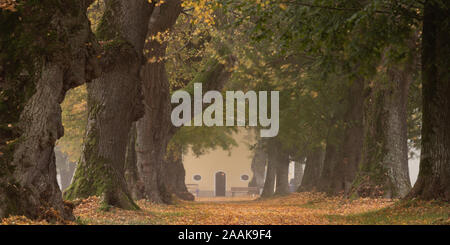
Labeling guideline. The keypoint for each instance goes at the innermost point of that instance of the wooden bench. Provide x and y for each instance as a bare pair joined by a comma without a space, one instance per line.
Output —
247,190
193,188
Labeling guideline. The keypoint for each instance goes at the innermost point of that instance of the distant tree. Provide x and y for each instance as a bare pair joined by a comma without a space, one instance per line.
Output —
258,166
298,173
269,182
74,118
350,41
64,168
313,169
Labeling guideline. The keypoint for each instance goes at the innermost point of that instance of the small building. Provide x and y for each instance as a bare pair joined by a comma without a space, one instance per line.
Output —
216,172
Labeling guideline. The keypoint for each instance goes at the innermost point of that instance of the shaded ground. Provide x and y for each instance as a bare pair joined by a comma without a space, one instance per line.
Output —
298,208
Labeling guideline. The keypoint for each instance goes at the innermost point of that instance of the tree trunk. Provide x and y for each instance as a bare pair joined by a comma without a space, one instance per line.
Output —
331,156
114,103
333,144
282,172
396,159
175,174
153,130
298,174
28,184
258,166
313,168
384,169
70,171
64,168
350,152
134,184
60,162
269,183
434,173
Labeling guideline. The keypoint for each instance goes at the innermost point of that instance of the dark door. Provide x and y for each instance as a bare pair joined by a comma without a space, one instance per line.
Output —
220,184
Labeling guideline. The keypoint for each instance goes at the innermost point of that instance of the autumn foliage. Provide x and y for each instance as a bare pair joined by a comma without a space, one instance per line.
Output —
296,209
8,5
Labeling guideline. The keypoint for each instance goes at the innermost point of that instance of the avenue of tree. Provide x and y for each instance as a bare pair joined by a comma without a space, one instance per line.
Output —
363,85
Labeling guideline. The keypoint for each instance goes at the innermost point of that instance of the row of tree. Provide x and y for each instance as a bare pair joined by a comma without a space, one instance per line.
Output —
50,48
351,94
357,87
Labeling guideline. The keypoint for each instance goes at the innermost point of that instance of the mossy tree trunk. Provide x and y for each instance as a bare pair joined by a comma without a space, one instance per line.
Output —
155,129
434,173
384,167
33,84
114,103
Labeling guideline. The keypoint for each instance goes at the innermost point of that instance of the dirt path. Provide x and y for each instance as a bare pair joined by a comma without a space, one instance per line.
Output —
298,208
295,209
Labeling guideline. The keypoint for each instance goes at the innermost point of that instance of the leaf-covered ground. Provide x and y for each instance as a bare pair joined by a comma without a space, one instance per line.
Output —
295,209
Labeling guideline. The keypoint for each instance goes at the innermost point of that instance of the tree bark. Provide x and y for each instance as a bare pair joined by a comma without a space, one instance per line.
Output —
134,184
114,103
153,130
396,159
331,156
434,173
333,146
384,169
313,168
298,174
28,184
282,172
269,183
350,150
213,77
258,166
175,174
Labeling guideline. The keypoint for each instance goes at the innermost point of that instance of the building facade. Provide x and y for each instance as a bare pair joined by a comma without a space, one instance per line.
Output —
216,172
